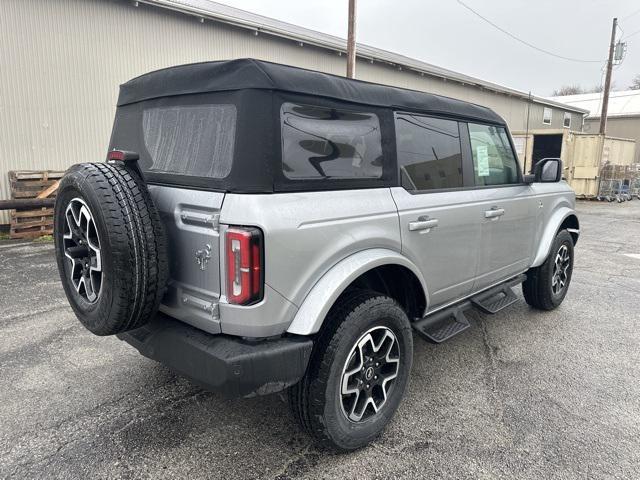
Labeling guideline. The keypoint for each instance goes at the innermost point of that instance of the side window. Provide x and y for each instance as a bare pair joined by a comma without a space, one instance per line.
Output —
429,154
319,142
494,162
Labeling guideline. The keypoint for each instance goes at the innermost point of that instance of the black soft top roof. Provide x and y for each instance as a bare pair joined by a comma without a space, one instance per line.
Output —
248,73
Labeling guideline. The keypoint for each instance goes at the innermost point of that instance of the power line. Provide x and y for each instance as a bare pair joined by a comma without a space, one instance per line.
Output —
630,15
630,35
524,41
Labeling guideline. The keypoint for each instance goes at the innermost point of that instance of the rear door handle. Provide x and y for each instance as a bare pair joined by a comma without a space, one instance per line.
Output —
423,223
494,212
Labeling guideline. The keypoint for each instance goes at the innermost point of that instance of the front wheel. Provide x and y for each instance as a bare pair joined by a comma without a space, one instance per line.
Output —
358,372
547,285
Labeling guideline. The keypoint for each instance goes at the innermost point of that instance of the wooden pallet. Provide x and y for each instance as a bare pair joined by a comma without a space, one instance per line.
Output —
32,223
28,184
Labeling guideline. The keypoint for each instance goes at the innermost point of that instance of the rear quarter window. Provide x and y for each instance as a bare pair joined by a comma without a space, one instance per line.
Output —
330,143
192,140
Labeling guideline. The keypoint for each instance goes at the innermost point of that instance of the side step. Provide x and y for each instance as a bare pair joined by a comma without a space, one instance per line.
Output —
444,324
497,298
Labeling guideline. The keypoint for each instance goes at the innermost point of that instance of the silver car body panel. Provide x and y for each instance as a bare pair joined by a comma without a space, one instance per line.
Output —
191,220
307,233
315,307
556,202
317,243
447,252
507,239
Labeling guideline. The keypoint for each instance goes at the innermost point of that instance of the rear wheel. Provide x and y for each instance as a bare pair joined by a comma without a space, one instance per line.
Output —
547,285
358,372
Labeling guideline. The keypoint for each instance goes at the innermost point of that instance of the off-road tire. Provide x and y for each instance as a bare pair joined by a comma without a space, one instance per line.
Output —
132,242
537,288
315,401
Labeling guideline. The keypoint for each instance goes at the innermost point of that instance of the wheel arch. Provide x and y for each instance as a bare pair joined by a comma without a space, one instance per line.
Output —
563,218
379,269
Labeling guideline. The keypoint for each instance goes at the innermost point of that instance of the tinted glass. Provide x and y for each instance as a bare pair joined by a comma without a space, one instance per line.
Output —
320,142
429,155
190,140
494,162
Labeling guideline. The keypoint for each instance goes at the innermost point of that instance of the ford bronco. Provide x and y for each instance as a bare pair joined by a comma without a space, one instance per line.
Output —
258,227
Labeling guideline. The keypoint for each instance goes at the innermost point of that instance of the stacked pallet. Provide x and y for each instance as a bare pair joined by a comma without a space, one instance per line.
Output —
32,223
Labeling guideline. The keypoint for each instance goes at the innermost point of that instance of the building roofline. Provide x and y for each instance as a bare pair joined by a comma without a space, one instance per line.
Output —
261,24
615,115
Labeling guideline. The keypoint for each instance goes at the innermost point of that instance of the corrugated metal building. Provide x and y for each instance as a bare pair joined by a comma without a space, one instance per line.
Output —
62,62
623,114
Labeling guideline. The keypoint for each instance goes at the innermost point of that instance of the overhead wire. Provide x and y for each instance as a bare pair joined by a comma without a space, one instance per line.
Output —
524,42
630,35
630,15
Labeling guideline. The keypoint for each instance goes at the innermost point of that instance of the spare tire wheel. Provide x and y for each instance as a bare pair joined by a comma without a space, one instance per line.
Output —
110,247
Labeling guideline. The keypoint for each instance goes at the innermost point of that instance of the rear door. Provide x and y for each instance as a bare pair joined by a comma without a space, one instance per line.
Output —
439,228
505,205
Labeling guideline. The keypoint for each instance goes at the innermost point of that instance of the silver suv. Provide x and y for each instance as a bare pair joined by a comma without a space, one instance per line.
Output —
259,227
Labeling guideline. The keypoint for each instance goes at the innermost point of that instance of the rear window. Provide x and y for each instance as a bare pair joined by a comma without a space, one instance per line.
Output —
429,153
320,142
190,140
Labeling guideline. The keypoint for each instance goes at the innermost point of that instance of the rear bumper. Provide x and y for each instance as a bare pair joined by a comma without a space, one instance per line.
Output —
223,363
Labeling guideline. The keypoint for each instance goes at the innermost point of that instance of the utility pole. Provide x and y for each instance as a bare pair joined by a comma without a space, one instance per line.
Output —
351,41
607,82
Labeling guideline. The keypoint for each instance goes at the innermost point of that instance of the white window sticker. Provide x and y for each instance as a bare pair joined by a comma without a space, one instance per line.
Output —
482,157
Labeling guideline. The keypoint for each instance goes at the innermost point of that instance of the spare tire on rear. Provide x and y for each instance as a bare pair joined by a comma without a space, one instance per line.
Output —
110,247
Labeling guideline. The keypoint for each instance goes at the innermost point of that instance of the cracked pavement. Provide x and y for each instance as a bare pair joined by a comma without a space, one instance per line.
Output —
521,394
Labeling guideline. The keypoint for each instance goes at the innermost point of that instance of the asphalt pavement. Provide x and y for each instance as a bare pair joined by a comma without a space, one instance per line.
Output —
521,394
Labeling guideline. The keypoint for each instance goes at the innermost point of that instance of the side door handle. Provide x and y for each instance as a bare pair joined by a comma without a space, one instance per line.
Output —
423,223
494,212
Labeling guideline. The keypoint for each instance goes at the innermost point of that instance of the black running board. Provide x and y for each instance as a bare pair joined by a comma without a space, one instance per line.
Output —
444,324
499,297
447,323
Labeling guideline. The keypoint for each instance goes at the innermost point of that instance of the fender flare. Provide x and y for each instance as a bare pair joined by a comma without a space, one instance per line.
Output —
550,232
326,291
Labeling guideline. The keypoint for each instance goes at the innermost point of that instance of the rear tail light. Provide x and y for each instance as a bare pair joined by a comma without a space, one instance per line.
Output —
122,156
245,265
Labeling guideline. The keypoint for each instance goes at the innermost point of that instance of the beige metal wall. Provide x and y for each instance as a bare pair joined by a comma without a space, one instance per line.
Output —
587,153
62,62
621,127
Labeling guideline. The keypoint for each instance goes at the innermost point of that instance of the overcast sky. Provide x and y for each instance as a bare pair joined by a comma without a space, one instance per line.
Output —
444,33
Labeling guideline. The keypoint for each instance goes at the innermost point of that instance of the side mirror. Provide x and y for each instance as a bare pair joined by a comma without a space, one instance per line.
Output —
547,170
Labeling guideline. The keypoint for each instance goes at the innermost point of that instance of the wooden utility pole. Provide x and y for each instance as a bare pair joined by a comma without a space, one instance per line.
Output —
607,82
351,41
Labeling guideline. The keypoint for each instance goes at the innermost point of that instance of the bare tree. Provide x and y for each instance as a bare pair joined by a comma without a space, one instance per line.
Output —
578,89
568,90
600,88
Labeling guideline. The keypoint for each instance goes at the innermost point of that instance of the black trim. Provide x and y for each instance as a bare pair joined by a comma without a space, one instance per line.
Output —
466,189
468,176
223,363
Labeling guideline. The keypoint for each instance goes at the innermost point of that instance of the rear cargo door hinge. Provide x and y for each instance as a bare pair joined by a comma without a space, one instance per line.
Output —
212,221
212,308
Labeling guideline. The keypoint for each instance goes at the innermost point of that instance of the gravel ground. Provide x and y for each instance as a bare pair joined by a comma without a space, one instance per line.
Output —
521,394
